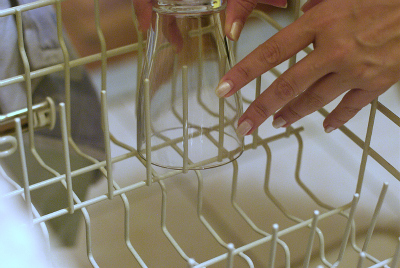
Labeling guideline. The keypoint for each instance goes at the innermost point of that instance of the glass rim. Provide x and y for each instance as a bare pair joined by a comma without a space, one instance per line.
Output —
211,3
236,154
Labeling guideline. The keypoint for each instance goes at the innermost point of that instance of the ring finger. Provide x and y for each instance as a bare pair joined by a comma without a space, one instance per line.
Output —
317,96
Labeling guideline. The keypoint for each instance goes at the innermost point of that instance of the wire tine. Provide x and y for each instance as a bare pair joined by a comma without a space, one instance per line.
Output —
311,239
204,221
361,259
258,86
221,132
366,146
28,87
66,62
185,88
396,256
272,254
200,55
164,228
140,46
64,136
27,74
24,168
231,249
258,92
148,130
128,243
89,251
191,263
347,230
106,130
221,113
375,216
103,47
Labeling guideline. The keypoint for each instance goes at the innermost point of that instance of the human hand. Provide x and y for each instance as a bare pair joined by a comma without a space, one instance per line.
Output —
356,50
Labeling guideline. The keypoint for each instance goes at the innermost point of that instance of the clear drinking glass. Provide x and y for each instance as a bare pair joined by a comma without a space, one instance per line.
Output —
182,124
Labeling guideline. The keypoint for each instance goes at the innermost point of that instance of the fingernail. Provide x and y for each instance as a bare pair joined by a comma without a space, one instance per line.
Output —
278,122
329,129
236,29
223,89
244,127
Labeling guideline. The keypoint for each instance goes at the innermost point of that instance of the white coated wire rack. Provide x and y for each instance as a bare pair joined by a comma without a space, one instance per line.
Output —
355,243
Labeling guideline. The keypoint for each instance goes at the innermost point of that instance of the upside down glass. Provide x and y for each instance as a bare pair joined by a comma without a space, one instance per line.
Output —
182,124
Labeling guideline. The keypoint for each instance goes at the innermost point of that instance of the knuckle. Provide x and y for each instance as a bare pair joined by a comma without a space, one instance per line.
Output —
343,50
261,109
360,72
247,5
244,72
271,52
313,101
285,89
295,115
348,112
369,38
383,82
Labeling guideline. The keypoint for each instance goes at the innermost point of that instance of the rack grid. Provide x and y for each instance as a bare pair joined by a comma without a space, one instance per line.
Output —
275,239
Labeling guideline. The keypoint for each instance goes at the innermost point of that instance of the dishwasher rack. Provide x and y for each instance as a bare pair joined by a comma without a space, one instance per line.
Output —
275,239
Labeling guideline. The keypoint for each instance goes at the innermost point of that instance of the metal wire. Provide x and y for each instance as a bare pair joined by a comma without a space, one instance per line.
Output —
152,177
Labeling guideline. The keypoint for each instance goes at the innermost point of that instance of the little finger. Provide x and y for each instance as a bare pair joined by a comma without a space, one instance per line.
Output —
317,96
352,102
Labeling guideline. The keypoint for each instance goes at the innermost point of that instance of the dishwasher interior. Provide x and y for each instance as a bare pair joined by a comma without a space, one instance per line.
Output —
297,197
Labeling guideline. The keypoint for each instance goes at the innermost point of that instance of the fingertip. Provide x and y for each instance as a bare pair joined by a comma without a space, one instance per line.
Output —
244,128
329,129
279,122
223,89
235,30
237,12
329,125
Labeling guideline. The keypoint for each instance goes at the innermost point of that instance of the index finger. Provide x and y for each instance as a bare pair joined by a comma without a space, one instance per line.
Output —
280,47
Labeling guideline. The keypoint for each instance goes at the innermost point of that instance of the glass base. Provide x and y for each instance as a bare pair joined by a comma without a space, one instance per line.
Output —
206,148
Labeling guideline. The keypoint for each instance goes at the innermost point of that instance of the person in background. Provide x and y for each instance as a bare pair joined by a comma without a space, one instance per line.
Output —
356,53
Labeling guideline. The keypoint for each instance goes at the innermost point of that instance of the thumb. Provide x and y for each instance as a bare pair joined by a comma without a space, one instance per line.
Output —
143,9
237,12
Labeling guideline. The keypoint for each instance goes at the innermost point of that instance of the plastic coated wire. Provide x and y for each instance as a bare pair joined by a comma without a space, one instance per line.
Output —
75,205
